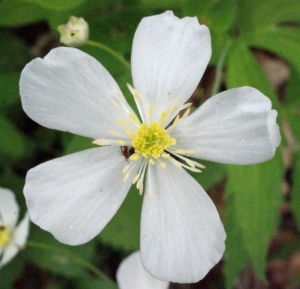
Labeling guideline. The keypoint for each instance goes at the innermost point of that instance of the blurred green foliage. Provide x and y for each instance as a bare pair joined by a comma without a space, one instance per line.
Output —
253,193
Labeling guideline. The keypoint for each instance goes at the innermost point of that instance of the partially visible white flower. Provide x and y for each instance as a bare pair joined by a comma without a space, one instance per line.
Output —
132,275
74,197
12,237
75,32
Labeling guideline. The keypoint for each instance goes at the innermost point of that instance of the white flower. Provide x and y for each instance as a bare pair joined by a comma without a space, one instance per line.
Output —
12,237
132,275
74,197
75,32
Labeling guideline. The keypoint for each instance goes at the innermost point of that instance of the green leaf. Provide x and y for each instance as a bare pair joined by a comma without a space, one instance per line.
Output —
236,257
14,13
12,143
92,283
283,41
86,10
59,259
211,175
123,231
219,41
77,144
57,4
291,108
14,58
243,69
9,93
11,272
163,4
257,195
292,92
218,15
8,179
295,191
257,14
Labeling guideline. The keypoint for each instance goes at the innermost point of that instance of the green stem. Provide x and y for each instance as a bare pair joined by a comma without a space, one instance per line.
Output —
219,67
75,259
110,51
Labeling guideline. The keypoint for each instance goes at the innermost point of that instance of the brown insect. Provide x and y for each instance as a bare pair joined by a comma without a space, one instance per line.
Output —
126,152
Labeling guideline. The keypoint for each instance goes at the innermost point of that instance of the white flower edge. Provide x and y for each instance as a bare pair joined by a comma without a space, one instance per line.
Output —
71,91
74,197
18,234
162,74
180,225
236,126
132,275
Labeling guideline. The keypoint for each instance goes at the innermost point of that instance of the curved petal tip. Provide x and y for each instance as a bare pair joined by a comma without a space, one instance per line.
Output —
273,130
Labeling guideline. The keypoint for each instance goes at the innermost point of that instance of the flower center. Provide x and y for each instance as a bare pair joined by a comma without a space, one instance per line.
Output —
4,235
152,140
149,141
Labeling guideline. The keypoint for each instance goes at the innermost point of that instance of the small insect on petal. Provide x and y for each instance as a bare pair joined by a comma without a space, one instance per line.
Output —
127,152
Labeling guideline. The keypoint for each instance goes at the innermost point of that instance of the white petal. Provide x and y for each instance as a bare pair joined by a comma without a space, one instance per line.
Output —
75,196
9,209
21,232
70,91
182,236
9,252
234,127
132,275
169,57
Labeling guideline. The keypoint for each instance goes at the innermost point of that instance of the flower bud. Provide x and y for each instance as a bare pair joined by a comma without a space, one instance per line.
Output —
75,32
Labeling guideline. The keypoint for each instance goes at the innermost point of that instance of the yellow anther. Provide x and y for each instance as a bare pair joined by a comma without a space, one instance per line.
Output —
126,177
135,178
151,141
176,119
111,132
121,142
164,115
151,110
190,163
126,168
124,124
133,118
131,89
162,164
175,107
121,98
101,142
165,155
152,161
134,157
114,103
177,164
186,113
4,236
180,152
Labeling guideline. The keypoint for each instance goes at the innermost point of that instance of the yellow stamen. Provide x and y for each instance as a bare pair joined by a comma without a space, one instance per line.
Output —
133,118
4,236
114,103
111,132
124,124
152,140
151,110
